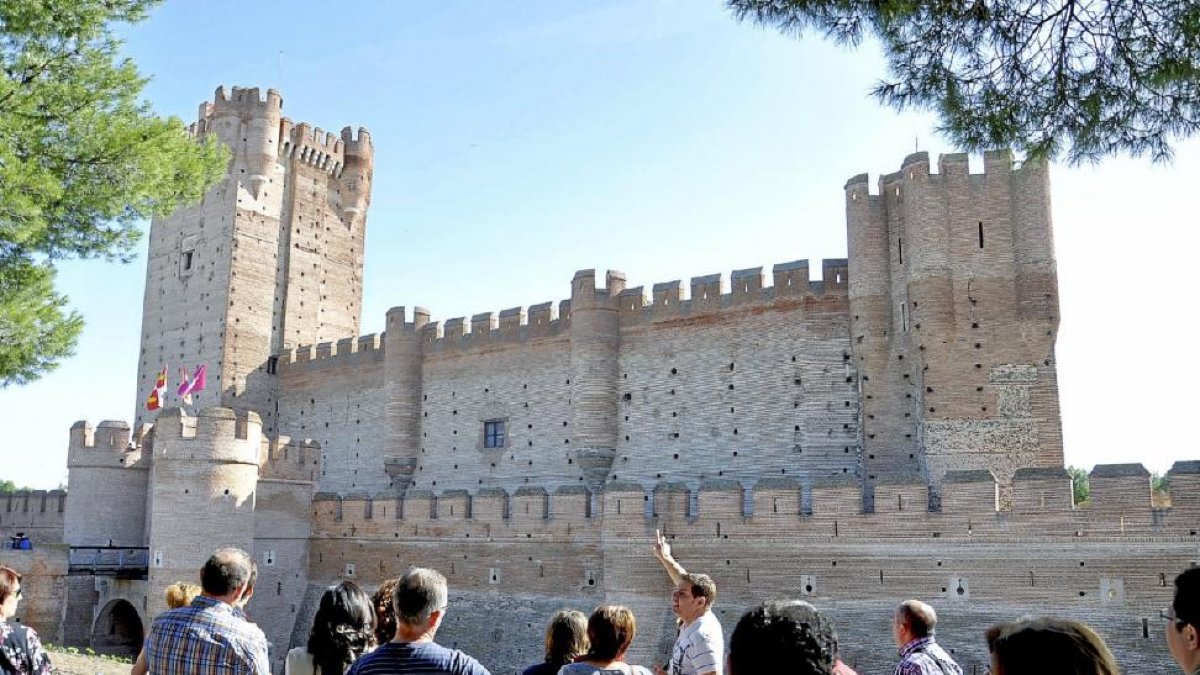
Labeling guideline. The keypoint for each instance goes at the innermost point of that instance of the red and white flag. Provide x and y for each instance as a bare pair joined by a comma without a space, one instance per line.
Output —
159,393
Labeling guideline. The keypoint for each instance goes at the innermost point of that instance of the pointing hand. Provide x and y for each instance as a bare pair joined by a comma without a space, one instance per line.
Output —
662,550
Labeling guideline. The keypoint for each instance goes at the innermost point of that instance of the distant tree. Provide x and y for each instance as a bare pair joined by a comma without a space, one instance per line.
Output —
1080,485
83,161
1076,78
7,486
1160,489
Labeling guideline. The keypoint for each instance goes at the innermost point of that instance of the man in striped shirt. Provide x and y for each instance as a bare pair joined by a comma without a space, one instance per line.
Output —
211,636
420,603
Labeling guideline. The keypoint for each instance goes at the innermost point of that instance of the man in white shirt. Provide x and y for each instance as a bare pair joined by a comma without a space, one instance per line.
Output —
700,647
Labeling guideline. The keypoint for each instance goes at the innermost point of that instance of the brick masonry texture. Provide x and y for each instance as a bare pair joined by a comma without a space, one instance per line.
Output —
888,431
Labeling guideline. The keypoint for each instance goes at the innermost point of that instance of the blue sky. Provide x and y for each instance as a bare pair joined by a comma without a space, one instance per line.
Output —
519,142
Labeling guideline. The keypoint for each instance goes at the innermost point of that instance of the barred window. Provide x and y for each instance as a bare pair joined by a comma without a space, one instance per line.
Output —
493,434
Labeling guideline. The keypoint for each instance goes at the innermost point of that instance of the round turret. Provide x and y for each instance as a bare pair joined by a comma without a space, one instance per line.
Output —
595,336
202,491
403,382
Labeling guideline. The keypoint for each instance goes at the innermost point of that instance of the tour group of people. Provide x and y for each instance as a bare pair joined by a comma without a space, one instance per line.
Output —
206,632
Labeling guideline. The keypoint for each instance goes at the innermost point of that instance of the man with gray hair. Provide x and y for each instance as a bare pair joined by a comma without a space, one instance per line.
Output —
420,604
912,628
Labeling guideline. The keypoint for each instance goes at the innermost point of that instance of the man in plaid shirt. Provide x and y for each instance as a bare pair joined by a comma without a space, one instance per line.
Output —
211,636
912,628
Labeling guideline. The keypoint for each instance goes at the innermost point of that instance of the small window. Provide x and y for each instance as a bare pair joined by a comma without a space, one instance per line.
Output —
272,364
493,434
187,260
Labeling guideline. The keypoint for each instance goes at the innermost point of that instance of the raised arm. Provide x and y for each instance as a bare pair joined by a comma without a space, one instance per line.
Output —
662,551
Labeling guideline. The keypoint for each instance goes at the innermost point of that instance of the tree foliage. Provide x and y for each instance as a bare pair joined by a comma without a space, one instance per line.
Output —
83,161
1080,79
1080,485
36,330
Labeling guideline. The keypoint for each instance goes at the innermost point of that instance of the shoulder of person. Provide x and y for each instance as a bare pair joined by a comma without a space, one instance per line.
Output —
709,629
253,630
467,664
17,632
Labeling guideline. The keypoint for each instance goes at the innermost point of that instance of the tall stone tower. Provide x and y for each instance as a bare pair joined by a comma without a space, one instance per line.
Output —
270,259
954,303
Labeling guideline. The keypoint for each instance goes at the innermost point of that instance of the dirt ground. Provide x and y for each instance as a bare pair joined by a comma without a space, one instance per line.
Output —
81,664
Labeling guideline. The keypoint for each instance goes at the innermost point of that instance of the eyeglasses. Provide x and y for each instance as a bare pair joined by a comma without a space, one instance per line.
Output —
1168,615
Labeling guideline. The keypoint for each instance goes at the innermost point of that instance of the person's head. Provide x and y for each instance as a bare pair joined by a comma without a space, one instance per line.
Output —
385,614
566,637
1051,646
913,620
249,592
693,596
10,591
228,575
342,629
1183,621
610,631
180,594
420,601
783,631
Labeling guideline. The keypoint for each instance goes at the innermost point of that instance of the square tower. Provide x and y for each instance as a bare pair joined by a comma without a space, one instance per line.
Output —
270,259
954,316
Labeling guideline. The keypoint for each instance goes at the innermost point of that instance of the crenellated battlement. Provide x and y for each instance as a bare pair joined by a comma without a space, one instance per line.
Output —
243,102
210,424
33,501
357,145
668,301
292,460
316,147
969,507
710,293
109,444
365,348
916,169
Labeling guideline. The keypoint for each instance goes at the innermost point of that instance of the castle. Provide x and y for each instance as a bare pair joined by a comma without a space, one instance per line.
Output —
891,430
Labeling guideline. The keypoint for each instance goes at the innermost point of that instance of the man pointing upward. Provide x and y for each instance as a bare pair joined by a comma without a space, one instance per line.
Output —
700,647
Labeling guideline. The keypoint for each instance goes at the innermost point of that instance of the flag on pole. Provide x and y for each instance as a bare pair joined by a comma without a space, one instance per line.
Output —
196,383
158,395
199,379
184,391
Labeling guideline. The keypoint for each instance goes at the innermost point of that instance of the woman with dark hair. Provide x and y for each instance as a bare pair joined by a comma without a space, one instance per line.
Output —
566,640
385,613
1048,646
20,649
342,631
610,631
